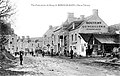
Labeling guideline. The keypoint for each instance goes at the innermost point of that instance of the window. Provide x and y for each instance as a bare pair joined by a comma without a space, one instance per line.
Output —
8,48
74,47
82,48
10,42
12,48
38,45
72,37
58,38
12,38
16,48
75,37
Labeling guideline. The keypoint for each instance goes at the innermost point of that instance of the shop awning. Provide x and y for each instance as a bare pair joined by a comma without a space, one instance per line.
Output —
102,38
107,39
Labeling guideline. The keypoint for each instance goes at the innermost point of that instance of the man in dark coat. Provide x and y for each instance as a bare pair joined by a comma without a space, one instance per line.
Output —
87,52
52,52
71,53
21,58
43,53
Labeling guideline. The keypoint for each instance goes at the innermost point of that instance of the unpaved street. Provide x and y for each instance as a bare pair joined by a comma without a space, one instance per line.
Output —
50,66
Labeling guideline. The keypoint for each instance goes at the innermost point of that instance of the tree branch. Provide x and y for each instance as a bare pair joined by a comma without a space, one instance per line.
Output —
1,1
6,9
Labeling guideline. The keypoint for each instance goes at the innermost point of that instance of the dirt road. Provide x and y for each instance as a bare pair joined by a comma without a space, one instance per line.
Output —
50,66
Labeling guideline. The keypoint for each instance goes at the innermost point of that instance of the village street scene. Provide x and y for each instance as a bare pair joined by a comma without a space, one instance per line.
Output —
80,46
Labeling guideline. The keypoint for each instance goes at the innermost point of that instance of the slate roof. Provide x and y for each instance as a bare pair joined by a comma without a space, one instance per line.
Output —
102,38
78,23
50,31
85,36
36,38
105,38
108,38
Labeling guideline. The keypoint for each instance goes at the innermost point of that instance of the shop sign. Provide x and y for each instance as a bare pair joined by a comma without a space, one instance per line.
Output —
93,22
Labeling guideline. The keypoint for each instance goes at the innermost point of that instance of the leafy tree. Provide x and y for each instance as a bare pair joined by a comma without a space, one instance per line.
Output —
114,28
6,11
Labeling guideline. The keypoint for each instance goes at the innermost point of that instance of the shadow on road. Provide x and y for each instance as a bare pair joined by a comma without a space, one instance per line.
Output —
4,72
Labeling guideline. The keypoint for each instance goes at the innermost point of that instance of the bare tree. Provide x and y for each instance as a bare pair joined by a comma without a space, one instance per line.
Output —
6,11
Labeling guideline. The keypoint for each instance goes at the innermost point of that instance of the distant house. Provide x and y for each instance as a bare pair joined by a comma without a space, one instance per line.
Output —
35,43
114,28
11,46
48,39
17,44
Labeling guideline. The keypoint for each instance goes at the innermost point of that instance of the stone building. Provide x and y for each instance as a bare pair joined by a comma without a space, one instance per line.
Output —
56,40
91,24
11,46
30,44
61,35
68,34
17,43
48,39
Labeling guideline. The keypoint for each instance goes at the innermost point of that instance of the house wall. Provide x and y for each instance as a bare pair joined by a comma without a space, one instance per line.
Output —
48,39
94,24
56,41
17,44
35,44
79,45
12,43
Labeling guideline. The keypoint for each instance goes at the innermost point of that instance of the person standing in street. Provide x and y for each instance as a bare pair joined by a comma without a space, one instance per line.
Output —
52,52
71,53
43,53
32,53
21,58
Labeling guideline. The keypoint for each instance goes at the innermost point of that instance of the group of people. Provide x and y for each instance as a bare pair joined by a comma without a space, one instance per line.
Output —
21,53
43,54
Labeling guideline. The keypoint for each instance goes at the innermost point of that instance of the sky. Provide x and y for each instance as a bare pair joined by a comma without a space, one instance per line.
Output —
33,17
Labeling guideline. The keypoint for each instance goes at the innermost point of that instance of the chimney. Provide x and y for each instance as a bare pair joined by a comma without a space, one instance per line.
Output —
23,37
82,17
95,12
70,17
28,37
50,27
